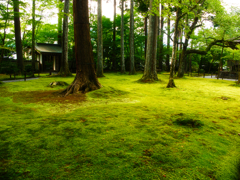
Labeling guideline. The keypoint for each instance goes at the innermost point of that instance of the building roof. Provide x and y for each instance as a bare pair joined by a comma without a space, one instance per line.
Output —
48,48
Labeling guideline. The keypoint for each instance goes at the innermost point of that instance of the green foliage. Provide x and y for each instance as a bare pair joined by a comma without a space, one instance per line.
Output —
9,68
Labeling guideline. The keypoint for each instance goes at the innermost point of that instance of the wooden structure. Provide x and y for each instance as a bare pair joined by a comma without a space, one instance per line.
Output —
234,69
48,57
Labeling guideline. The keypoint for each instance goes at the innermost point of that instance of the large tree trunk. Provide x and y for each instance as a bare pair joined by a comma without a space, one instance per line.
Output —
131,40
150,71
114,63
161,39
64,71
18,41
168,44
60,23
123,70
99,42
171,83
86,79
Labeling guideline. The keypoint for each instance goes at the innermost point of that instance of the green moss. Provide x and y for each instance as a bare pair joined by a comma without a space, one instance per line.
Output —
125,130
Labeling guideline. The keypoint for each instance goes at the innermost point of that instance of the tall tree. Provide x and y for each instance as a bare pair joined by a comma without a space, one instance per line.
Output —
3,37
114,63
161,53
150,71
171,83
122,38
60,22
131,41
18,41
86,79
190,29
168,41
33,37
99,41
64,71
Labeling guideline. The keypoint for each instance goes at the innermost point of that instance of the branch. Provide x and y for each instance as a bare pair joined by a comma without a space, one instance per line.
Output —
230,43
168,36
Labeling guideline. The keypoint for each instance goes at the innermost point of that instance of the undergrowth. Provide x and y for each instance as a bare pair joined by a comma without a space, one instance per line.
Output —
125,130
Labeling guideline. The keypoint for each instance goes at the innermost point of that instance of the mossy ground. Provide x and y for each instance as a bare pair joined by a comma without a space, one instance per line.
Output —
125,130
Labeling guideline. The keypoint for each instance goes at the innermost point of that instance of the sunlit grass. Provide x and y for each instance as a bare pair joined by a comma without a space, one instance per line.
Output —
125,130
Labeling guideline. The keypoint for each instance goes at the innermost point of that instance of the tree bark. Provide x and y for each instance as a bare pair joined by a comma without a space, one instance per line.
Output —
171,83
168,44
99,41
123,70
64,71
150,71
60,23
131,41
146,33
17,28
4,34
114,63
33,37
161,39
86,79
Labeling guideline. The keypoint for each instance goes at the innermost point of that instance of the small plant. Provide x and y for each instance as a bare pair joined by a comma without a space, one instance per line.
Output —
189,121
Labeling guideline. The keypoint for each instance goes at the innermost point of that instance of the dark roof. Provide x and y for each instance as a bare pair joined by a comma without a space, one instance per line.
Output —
48,48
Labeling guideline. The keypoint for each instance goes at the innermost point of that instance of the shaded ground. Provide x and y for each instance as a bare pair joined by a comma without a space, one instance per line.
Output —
52,96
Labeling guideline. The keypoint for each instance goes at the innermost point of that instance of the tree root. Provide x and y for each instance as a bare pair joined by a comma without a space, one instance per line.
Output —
171,83
77,86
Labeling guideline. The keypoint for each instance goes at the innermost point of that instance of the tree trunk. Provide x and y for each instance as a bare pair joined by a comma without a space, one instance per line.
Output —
114,63
150,71
64,71
18,41
33,37
99,41
60,23
171,83
131,41
86,79
4,34
123,70
146,33
168,44
161,39
220,67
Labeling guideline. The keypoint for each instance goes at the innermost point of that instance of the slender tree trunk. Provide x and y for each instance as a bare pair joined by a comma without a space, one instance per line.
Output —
131,40
33,37
60,23
4,34
86,79
114,63
171,83
221,61
123,70
99,41
161,39
168,44
64,71
146,33
150,71
18,41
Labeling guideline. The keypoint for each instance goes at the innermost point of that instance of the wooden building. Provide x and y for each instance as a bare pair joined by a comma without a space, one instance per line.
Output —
48,57
234,66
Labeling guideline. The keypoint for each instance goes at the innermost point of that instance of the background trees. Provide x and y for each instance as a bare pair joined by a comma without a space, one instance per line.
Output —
197,39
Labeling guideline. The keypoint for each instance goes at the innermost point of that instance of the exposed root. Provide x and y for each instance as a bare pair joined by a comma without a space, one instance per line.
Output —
171,83
77,86
149,78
